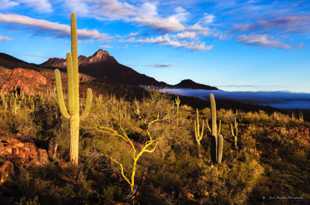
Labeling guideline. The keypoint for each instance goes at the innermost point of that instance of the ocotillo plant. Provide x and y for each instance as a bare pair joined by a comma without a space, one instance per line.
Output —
235,132
217,139
148,147
73,111
199,132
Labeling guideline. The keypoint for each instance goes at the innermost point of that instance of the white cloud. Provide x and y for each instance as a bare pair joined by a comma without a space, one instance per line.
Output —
187,35
40,5
5,4
207,19
52,28
146,14
262,40
4,38
173,42
204,27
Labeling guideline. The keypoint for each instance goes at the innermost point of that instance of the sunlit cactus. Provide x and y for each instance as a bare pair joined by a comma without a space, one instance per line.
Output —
199,131
73,111
234,128
217,139
177,103
301,117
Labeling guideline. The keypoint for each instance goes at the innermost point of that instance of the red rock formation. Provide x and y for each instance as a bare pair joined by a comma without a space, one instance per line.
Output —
18,153
22,153
27,81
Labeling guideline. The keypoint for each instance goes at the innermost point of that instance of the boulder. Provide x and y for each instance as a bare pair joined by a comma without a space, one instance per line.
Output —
23,153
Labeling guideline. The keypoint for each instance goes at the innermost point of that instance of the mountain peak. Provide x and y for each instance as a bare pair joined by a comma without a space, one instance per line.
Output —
188,83
99,55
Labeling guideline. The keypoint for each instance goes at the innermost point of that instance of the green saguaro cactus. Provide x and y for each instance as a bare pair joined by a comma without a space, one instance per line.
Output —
217,138
72,113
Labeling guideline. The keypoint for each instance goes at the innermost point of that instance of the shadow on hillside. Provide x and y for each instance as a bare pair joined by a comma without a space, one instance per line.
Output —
287,168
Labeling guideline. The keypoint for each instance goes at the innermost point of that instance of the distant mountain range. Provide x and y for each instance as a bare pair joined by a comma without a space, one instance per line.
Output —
103,67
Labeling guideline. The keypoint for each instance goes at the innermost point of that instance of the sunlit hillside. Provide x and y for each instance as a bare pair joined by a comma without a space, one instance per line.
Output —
268,158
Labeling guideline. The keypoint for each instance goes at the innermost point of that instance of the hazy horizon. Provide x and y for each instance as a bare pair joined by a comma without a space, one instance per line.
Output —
235,45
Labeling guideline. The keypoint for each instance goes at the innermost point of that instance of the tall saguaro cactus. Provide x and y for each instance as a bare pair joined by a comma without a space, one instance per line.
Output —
72,113
218,140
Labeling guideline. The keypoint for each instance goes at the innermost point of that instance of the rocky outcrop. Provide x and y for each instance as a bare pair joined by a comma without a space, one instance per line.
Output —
22,153
99,56
25,80
16,152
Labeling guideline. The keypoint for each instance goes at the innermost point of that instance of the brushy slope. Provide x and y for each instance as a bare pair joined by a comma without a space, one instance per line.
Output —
270,166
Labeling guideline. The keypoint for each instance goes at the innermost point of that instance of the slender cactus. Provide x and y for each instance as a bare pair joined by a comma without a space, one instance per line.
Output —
235,132
199,132
177,103
217,139
301,117
72,113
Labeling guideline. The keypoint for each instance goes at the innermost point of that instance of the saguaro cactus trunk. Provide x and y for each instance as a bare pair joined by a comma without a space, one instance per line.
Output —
217,138
73,111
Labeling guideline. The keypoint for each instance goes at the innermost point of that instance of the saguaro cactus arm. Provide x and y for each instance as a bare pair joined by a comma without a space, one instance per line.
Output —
60,96
199,132
88,103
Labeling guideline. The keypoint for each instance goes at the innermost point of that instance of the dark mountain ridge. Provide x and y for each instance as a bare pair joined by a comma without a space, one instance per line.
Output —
10,62
188,83
103,67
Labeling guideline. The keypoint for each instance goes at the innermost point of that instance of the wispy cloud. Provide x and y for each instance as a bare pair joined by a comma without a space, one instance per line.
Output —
4,38
174,27
145,14
174,42
39,5
187,34
160,65
51,28
291,23
156,65
262,40
5,4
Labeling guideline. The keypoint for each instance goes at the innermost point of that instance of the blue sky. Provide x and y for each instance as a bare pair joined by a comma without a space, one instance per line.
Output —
232,44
